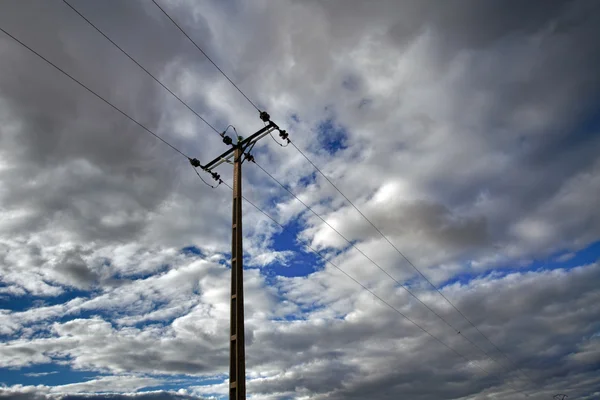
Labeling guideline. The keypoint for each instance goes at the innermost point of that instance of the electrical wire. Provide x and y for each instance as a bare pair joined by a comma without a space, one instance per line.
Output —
412,265
186,156
381,268
305,243
94,93
275,140
205,55
139,65
232,127
206,183
183,154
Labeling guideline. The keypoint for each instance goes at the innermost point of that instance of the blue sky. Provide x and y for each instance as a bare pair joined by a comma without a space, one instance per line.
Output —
564,260
467,134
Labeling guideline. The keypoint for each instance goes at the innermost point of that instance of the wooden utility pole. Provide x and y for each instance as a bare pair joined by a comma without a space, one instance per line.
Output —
237,359
239,151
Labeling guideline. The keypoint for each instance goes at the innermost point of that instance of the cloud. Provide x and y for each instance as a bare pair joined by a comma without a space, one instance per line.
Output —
469,138
565,257
343,355
36,374
36,393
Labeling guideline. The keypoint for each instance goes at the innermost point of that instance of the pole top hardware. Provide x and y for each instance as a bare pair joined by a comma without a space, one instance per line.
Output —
265,116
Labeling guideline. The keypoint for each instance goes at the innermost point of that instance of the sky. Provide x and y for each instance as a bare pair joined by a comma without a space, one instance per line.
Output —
466,132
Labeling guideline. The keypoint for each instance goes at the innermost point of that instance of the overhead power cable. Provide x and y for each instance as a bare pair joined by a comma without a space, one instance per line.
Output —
94,93
412,265
347,199
143,69
275,140
206,183
305,243
351,203
378,230
183,154
381,268
206,55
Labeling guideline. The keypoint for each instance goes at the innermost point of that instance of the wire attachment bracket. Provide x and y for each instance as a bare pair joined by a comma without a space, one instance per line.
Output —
245,144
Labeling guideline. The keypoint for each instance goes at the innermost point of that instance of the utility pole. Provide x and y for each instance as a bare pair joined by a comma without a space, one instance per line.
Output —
240,152
237,350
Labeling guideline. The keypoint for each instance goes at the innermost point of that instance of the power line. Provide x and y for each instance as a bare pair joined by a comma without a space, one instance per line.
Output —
243,94
139,65
377,229
305,243
94,93
275,140
411,263
203,181
183,154
381,268
385,272
205,55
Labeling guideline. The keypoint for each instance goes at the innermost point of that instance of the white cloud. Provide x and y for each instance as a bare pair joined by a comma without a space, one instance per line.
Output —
465,141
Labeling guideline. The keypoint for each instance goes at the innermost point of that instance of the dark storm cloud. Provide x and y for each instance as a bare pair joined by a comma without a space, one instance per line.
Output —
70,152
76,171
75,267
479,120
74,160
428,220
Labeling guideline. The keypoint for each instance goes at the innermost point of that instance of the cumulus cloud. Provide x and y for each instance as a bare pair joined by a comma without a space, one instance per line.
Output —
467,133
37,393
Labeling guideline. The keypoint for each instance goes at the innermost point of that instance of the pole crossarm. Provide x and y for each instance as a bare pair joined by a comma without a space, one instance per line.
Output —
227,155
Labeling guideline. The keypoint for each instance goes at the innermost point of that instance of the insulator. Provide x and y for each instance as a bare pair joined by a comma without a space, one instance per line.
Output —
227,140
194,162
283,134
250,157
265,116
215,176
